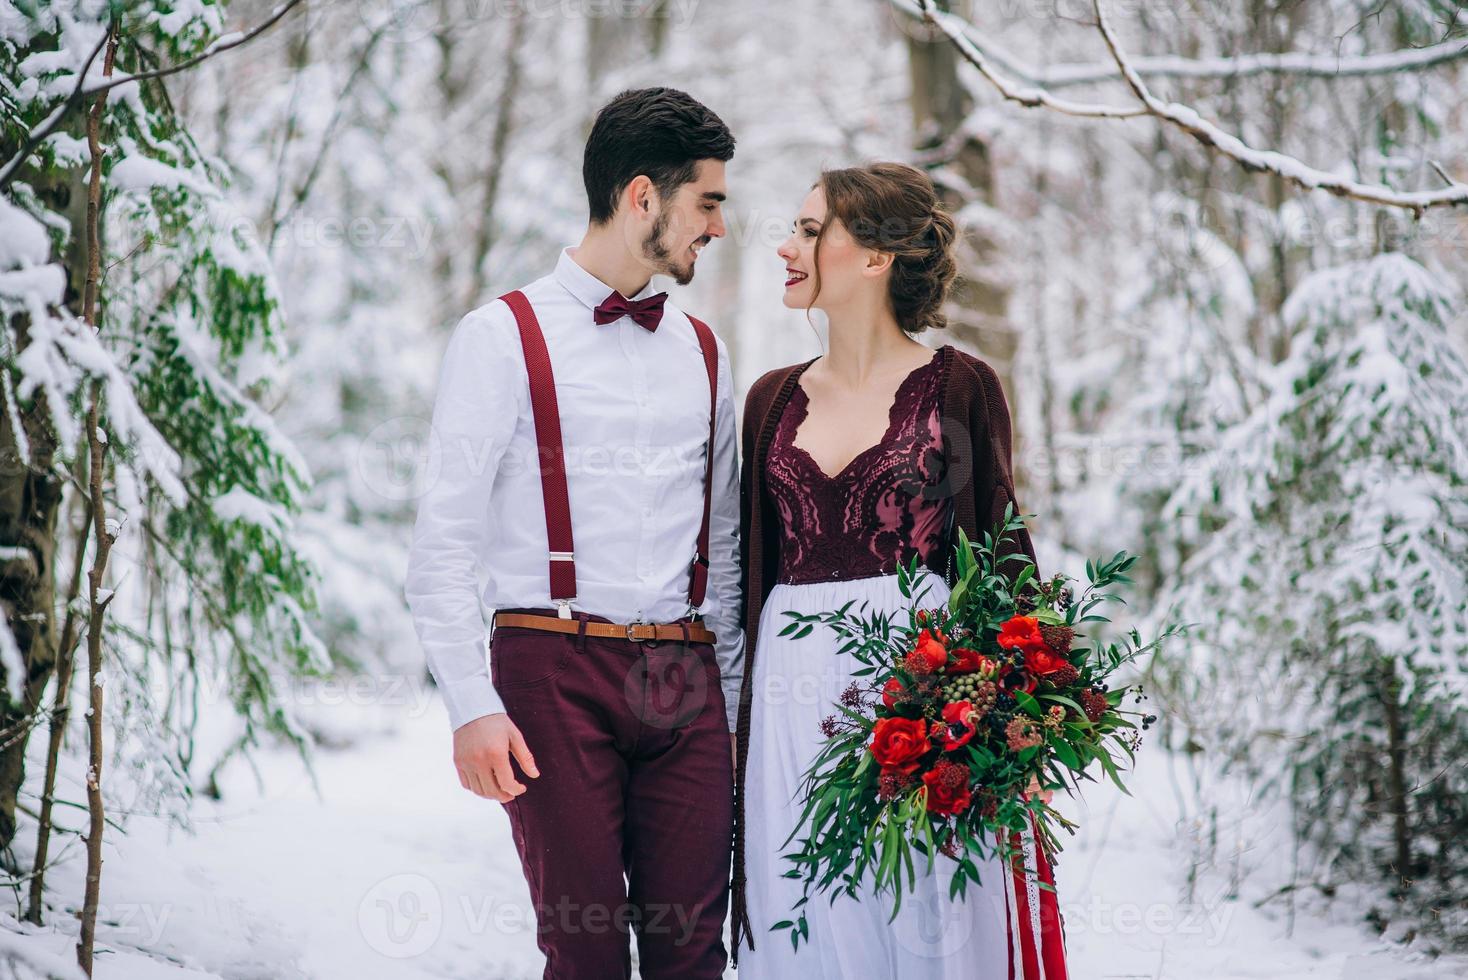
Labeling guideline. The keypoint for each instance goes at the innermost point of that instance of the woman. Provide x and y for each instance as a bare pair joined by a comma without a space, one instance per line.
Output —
853,462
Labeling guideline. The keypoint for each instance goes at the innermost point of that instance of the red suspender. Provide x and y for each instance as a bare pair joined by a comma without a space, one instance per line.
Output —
550,451
552,455
699,578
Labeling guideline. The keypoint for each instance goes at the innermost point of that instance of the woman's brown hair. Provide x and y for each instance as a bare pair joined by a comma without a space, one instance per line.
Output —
893,208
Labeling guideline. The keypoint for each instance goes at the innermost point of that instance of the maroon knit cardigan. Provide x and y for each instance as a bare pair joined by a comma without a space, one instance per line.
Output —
976,435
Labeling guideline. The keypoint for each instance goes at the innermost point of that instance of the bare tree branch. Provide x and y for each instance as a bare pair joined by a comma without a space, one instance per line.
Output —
328,134
1269,161
51,122
105,531
220,45
1301,63
1188,120
1028,96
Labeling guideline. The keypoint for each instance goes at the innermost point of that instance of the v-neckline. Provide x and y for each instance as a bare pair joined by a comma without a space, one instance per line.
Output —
882,440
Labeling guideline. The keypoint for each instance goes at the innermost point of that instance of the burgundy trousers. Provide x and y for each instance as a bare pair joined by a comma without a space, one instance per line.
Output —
628,828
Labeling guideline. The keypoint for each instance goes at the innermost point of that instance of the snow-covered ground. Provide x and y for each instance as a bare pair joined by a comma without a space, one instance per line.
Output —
394,871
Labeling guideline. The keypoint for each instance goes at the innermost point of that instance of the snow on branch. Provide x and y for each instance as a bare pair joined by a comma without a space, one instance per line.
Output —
1026,95
220,44
1301,63
54,119
62,353
997,70
1269,161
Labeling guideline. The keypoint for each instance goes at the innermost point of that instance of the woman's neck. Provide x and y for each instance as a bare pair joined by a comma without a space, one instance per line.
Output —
865,344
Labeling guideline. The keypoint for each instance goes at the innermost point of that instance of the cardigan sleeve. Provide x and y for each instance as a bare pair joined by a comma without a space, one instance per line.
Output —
999,433
751,530
747,531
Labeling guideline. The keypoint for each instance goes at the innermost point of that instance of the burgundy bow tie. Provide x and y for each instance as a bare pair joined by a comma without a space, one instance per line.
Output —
646,312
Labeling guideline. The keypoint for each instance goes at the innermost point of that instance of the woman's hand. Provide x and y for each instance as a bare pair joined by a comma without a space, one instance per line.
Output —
1035,790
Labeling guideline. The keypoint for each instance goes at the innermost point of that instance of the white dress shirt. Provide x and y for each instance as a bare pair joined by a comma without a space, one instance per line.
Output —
634,420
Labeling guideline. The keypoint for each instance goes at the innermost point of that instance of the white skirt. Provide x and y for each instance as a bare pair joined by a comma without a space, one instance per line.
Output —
796,684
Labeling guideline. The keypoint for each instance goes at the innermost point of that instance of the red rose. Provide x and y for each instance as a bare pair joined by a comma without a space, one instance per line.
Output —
970,661
1042,662
959,724
890,692
1022,633
948,789
898,743
930,651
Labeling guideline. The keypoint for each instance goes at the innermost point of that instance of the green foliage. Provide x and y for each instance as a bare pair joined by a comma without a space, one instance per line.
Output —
861,824
189,333
1328,581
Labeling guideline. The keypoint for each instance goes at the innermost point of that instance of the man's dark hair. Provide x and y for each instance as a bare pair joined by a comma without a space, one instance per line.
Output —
660,132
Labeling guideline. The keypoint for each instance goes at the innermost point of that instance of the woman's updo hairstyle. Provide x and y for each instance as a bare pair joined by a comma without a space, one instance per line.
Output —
893,208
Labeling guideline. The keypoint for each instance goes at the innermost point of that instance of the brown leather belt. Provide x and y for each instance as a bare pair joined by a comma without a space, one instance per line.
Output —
636,632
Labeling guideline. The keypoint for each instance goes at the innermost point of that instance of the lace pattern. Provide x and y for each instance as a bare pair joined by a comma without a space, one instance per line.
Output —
886,504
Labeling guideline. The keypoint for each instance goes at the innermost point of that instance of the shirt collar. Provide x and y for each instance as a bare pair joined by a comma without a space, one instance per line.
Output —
586,287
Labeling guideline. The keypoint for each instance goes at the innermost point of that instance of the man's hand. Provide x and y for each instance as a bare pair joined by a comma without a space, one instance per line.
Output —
482,750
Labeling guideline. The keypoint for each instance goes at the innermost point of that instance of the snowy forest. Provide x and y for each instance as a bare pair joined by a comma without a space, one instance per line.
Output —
1216,251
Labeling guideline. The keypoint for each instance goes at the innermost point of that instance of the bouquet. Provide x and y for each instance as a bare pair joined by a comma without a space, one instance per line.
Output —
962,719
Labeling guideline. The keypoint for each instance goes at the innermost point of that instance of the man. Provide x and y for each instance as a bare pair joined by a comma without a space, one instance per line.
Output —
581,456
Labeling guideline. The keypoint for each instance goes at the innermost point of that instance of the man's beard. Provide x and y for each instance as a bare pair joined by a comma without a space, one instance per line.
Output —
655,251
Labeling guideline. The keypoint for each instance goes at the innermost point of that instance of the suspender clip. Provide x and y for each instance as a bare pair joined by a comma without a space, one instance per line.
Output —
563,608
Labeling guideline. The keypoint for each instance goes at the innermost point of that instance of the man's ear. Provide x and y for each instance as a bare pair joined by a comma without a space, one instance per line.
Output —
639,195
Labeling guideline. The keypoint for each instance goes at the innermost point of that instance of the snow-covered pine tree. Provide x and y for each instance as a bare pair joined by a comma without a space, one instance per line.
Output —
1329,576
215,595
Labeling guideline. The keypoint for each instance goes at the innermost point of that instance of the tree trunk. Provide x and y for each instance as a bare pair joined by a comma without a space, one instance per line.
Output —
97,449
30,501
979,313
499,142
66,660
1396,773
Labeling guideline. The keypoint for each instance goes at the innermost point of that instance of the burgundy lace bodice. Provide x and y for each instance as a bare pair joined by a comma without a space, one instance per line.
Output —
883,508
